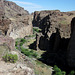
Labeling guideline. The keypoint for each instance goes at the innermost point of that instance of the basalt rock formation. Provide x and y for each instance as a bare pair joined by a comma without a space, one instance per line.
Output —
57,36
14,20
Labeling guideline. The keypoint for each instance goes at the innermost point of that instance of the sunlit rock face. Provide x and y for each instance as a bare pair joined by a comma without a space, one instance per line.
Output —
4,21
14,20
57,36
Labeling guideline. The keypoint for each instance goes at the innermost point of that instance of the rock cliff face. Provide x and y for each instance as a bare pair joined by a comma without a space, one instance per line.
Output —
14,20
71,47
55,36
8,41
4,21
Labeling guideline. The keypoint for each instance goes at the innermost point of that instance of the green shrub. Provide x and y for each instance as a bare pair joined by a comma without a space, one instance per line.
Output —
28,52
57,71
10,58
34,55
32,35
72,73
22,41
16,43
16,47
36,30
63,73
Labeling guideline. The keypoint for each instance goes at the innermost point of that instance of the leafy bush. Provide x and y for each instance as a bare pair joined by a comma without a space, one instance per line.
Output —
28,52
57,71
72,73
10,58
22,41
36,30
16,43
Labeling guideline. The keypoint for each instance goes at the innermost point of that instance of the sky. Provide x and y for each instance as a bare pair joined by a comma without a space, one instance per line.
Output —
38,5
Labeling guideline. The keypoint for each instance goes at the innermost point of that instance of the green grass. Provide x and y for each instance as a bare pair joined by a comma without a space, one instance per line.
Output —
28,52
63,22
39,67
36,30
32,35
22,41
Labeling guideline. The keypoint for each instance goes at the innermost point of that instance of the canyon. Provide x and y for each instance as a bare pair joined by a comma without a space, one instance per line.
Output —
14,20
57,35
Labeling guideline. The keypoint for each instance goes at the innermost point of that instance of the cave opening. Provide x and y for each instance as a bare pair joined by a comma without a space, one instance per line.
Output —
5,32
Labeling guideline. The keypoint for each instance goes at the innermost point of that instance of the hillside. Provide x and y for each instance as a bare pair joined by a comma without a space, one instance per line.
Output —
14,20
57,35
41,43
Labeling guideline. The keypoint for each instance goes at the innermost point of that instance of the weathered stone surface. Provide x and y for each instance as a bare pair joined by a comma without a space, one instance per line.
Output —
7,41
4,49
21,28
14,20
14,7
1,8
4,21
18,68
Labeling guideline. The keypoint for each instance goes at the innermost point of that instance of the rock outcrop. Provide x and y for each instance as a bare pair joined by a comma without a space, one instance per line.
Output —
7,41
18,68
14,20
55,36
4,21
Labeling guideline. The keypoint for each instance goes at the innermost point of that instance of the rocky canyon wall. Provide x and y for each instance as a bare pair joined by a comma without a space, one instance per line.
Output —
71,47
56,37
14,20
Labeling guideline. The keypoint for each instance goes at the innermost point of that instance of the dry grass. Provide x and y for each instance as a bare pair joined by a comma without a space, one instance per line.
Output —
42,69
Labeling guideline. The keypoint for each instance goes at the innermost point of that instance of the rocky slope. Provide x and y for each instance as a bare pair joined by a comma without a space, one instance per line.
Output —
18,68
56,32
14,20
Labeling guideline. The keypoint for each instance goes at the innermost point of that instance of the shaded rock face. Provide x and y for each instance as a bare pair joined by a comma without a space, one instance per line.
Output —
56,35
14,20
71,47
